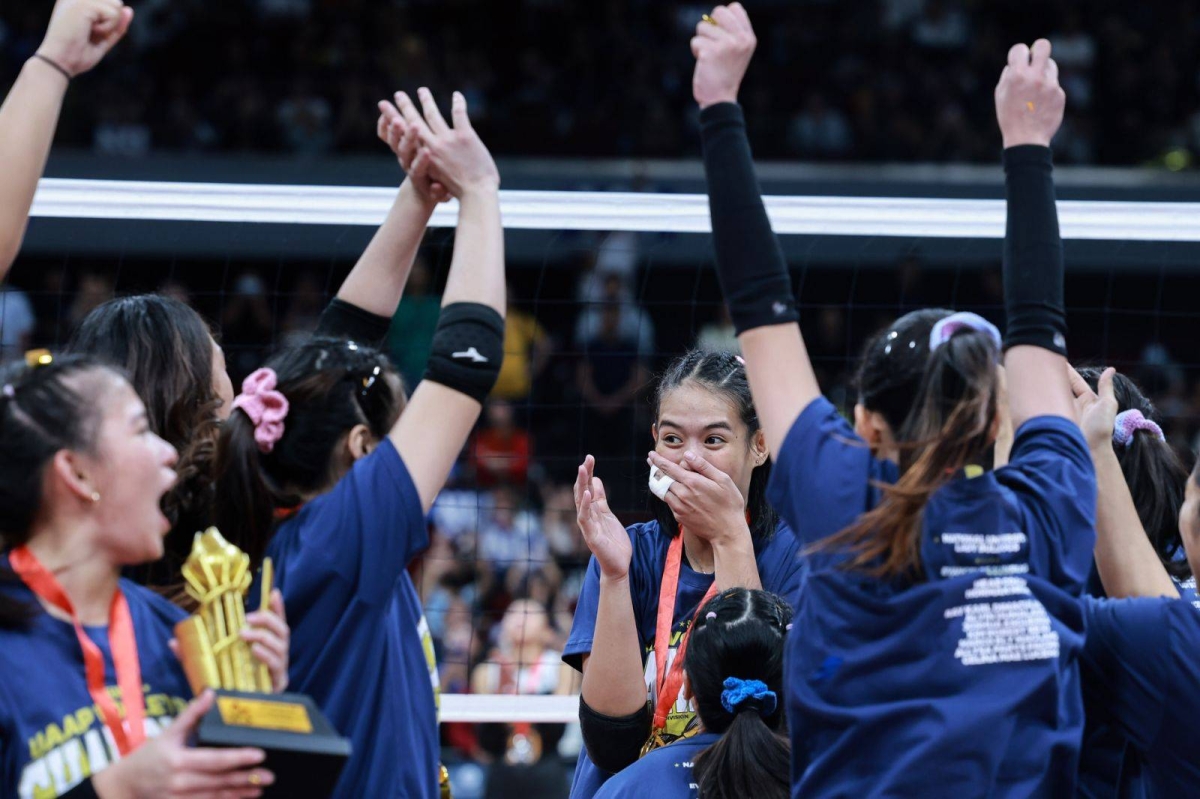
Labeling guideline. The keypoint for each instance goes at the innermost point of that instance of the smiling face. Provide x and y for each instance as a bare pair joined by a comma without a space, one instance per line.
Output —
696,419
130,469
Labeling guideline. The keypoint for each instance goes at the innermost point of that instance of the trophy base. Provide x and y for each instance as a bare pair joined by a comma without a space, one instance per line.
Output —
304,752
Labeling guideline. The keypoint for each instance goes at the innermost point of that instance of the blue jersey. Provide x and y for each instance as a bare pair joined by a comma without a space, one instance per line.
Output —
665,772
360,645
1141,675
1109,766
966,681
51,737
779,567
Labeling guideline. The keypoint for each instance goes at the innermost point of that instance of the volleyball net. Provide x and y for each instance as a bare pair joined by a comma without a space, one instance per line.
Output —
606,288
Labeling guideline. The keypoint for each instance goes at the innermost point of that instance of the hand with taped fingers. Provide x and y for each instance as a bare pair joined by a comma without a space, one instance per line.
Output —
723,49
402,140
453,156
1095,411
703,498
167,768
605,536
81,32
1029,101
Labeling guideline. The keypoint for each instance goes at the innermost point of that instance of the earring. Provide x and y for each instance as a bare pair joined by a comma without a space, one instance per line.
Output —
95,496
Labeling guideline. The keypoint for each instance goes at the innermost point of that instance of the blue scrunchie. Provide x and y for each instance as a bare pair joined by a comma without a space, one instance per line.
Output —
738,691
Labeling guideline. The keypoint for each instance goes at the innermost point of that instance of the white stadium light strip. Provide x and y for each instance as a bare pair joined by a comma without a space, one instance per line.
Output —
609,211
486,708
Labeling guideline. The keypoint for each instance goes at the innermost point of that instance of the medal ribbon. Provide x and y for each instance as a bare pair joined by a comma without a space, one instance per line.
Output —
128,733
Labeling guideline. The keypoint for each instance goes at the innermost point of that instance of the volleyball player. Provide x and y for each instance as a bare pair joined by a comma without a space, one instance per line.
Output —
734,670
81,32
1141,677
81,479
318,468
177,366
714,530
934,652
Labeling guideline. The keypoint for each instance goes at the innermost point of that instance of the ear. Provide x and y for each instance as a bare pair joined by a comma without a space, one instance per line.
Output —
654,432
687,688
865,426
71,472
359,442
758,447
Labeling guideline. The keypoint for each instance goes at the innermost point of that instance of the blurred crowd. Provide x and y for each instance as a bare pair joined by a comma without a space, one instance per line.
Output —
877,80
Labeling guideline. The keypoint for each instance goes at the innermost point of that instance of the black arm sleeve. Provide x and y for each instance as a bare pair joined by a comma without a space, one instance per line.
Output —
613,742
1033,252
750,263
340,319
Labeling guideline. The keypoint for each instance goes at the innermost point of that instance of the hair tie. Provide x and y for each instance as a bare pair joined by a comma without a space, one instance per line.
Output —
712,614
788,626
945,329
8,390
740,692
1129,422
266,407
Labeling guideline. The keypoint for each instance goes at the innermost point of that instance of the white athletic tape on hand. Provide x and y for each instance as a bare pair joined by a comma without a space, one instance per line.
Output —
660,483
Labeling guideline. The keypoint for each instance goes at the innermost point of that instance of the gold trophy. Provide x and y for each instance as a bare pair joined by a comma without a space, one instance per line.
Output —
303,750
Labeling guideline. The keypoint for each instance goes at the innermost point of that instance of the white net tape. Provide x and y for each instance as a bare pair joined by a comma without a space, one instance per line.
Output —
578,210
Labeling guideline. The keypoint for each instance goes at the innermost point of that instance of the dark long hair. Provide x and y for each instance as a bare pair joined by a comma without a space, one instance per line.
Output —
893,363
331,386
948,425
1154,473
48,409
166,349
724,375
743,639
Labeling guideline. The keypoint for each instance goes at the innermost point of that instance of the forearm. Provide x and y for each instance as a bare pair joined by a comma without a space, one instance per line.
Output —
28,120
477,268
734,562
377,281
613,681
1125,558
1035,339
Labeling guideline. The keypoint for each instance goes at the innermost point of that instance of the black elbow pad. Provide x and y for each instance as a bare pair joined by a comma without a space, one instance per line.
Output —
614,742
468,347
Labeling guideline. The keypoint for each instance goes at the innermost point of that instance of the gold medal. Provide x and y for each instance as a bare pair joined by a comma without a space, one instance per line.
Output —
444,782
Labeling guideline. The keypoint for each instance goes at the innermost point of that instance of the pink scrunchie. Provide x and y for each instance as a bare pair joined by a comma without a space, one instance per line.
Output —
265,406
1129,422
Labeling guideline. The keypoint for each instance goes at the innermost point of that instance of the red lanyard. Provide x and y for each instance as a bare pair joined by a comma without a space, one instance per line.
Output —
129,733
671,680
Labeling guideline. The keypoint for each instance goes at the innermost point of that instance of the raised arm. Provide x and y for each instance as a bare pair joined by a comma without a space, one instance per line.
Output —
1029,109
614,717
368,297
469,343
1125,558
753,273
81,32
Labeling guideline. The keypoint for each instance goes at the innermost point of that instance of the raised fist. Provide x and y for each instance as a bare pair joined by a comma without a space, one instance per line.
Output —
1029,101
81,32
722,52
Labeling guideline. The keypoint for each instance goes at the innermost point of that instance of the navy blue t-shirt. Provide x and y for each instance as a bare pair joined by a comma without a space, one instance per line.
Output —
779,568
51,737
665,772
1141,674
962,684
1109,766
360,645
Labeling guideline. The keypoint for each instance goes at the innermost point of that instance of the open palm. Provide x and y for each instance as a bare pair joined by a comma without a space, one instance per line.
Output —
602,531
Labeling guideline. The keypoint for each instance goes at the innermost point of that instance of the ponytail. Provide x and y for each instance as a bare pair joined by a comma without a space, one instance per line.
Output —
328,386
738,641
1154,472
949,426
750,759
